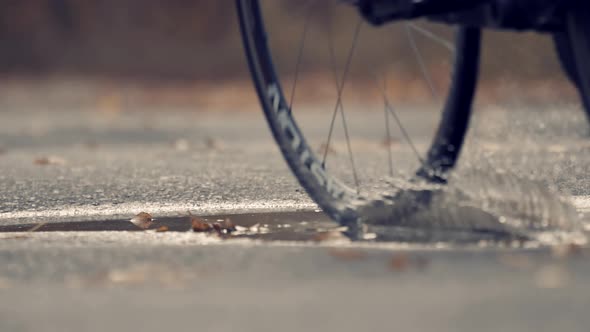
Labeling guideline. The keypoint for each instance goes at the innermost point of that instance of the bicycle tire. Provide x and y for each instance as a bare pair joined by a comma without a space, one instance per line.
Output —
565,53
337,200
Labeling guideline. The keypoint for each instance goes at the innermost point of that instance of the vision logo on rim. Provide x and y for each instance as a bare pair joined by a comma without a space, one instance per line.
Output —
297,143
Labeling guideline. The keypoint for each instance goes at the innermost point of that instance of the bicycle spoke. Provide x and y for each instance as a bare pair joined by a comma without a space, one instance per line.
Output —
395,116
340,85
333,65
350,155
327,146
339,105
300,54
429,34
420,59
404,132
387,130
332,57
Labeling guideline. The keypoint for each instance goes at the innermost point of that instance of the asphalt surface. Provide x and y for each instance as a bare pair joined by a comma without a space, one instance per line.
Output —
60,167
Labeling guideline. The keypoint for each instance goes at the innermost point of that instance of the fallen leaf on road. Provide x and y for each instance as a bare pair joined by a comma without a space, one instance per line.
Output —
42,161
347,254
217,228
212,144
222,229
399,262
199,225
329,236
51,160
389,141
162,229
143,220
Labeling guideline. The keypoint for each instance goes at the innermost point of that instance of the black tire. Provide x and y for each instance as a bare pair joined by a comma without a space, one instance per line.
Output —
337,200
578,32
563,47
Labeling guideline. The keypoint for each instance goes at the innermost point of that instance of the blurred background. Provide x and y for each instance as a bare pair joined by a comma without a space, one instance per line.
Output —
185,54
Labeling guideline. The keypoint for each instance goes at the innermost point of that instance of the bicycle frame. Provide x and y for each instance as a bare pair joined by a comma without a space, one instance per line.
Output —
537,15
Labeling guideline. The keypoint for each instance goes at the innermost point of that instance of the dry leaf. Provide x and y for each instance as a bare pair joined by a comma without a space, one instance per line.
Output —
399,262
329,236
347,254
162,229
143,220
211,144
217,228
43,161
389,141
199,225
321,236
402,262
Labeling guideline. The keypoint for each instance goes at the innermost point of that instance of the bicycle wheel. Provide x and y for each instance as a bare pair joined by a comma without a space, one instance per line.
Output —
342,199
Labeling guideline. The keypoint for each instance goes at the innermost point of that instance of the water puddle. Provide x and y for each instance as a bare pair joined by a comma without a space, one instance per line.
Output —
279,226
477,206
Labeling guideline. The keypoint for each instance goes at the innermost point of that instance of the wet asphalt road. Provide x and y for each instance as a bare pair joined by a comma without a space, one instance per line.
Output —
71,166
